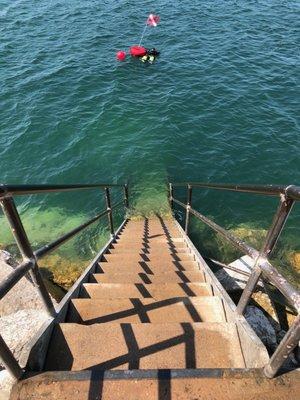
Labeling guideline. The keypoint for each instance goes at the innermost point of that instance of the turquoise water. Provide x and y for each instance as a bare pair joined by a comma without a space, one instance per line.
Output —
219,105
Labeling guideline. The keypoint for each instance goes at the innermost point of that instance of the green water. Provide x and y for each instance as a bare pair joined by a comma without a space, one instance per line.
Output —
219,105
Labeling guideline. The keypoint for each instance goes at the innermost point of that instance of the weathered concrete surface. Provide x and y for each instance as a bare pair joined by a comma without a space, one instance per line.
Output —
153,257
140,290
18,328
163,277
6,383
22,296
175,309
21,315
144,346
21,311
90,386
98,348
147,266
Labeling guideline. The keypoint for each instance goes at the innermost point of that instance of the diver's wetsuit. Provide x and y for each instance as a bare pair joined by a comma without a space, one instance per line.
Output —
147,58
150,56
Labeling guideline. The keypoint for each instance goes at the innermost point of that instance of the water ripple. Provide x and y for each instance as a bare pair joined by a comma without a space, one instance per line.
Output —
221,103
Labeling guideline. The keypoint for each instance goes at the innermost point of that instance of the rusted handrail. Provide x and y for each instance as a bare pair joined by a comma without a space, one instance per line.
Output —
13,278
290,191
236,242
288,195
30,257
269,271
63,239
21,190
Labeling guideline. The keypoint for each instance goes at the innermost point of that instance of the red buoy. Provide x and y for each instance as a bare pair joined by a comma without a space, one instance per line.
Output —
138,51
121,55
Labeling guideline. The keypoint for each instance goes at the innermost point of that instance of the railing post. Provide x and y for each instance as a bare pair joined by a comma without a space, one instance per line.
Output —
108,207
171,192
249,289
286,346
280,218
188,207
9,361
12,215
273,234
126,197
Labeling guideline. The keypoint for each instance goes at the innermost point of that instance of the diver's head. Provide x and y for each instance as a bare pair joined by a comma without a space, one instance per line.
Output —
153,52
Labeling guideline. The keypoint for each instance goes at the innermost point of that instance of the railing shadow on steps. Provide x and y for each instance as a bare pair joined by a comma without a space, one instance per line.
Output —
262,268
30,257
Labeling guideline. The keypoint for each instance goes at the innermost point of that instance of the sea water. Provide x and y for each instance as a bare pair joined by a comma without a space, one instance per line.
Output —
220,104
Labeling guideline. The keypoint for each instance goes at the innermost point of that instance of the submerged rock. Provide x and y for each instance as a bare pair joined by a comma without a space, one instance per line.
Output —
295,261
237,277
62,271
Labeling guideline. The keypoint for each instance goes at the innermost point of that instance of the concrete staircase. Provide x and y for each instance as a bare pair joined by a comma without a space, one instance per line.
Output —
149,306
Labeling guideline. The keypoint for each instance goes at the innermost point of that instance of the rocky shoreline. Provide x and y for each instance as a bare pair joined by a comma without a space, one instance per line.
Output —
22,313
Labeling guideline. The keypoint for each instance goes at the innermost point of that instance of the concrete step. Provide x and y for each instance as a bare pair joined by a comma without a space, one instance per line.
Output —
150,235
175,309
153,250
152,228
144,346
157,385
150,241
153,254
129,239
148,267
162,277
141,290
175,247
151,222
135,257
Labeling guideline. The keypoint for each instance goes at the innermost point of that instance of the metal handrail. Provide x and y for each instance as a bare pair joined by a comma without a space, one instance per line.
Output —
13,278
262,266
290,191
238,243
20,190
64,238
30,258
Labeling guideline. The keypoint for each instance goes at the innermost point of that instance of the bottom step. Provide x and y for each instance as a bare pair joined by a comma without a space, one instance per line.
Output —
144,346
157,385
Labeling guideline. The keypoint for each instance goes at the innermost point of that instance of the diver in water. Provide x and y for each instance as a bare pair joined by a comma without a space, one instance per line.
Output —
150,57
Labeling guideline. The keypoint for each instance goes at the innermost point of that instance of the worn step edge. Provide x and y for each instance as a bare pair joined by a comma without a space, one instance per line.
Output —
129,257
176,309
144,245
144,250
140,290
144,346
142,277
147,267
147,240
179,384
